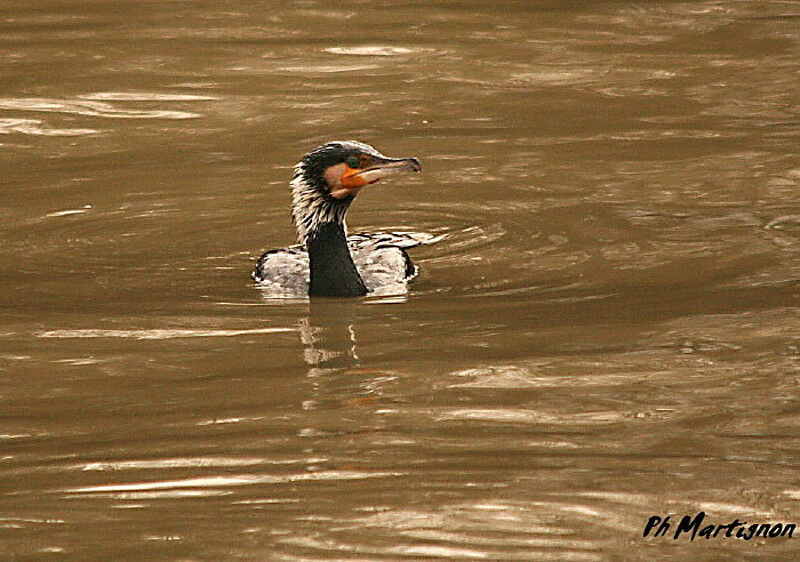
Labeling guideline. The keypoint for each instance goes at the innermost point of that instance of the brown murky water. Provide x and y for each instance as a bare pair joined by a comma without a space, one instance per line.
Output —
607,330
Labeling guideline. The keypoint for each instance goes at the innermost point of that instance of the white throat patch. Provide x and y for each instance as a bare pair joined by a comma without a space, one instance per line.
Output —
311,207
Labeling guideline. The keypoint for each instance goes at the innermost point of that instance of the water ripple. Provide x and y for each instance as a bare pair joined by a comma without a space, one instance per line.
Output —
144,96
35,127
69,212
516,415
371,51
239,480
158,334
88,108
168,463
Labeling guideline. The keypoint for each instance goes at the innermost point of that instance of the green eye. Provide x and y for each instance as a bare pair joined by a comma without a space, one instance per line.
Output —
353,162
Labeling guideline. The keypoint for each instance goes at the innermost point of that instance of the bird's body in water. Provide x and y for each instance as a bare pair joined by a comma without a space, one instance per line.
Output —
328,262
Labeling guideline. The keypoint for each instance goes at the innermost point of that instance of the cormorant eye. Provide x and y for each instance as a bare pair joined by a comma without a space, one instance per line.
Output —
353,162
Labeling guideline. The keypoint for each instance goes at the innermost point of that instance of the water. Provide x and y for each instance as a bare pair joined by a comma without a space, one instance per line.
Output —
607,329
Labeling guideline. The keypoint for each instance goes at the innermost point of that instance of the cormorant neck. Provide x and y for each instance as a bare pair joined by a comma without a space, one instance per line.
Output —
333,273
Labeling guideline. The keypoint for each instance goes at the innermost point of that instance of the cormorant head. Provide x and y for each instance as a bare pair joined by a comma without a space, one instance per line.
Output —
329,177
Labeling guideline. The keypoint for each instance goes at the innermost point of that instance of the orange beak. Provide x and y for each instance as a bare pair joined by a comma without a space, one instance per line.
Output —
351,178
380,168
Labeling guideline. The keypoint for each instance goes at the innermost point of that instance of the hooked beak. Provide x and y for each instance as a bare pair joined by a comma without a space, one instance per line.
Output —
380,168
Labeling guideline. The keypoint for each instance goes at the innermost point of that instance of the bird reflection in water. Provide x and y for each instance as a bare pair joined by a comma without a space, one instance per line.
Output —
335,373
328,336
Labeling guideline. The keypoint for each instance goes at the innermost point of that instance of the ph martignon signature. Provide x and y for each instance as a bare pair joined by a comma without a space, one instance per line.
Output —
694,527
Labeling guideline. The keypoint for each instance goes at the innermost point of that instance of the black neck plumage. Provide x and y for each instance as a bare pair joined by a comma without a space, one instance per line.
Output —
333,273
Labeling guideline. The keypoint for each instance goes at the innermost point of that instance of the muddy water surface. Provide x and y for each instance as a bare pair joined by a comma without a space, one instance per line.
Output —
606,330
